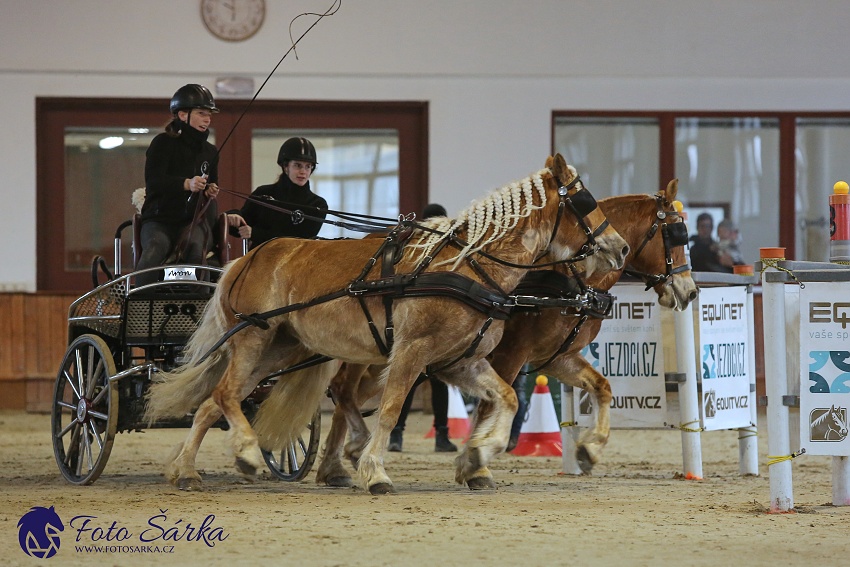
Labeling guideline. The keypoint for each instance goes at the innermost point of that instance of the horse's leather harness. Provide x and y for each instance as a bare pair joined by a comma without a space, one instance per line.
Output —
544,288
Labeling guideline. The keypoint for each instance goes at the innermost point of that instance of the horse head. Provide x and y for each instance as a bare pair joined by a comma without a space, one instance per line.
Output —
580,227
657,236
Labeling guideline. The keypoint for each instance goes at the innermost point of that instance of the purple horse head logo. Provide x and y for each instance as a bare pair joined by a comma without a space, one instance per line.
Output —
38,532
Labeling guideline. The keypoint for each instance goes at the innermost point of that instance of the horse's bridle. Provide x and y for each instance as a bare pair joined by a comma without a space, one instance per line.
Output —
581,204
673,234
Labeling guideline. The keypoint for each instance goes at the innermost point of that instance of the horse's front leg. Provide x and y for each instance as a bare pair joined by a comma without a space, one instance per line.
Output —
492,425
400,375
180,468
574,370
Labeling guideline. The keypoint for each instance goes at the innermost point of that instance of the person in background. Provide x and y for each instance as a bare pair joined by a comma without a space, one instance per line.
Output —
727,241
439,391
180,166
704,250
297,159
521,411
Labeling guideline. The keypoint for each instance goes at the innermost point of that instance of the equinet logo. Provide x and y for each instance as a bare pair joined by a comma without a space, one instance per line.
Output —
828,312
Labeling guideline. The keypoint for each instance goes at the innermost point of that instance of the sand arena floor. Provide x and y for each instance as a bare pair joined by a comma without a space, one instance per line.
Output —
634,510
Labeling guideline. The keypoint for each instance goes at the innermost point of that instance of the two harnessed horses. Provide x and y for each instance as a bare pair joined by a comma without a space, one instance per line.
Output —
549,338
441,300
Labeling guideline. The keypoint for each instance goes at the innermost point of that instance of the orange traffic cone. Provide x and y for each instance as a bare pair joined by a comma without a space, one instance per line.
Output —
540,435
458,419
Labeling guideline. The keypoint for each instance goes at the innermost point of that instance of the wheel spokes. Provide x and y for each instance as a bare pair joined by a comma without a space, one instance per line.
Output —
292,459
94,377
96,435
70,380
78,357
67,428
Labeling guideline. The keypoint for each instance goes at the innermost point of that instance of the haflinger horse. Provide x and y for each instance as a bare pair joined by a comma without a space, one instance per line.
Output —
440,299
547,338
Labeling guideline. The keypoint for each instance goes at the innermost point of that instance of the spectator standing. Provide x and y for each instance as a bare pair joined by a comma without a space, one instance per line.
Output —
705,251
728,239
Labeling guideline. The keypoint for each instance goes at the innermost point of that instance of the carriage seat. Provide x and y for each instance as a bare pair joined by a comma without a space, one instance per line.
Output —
219,255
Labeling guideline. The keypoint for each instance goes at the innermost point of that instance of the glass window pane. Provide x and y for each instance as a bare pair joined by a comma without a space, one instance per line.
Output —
821,159
103,167
731,165
357,171
614,155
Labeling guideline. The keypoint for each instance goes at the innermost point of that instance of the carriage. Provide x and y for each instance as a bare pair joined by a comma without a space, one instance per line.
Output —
441,310
119,338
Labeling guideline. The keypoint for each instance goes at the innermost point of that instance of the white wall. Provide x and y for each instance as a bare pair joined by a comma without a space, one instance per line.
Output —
492,71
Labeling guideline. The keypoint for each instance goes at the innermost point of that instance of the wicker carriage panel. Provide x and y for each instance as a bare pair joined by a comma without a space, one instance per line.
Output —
170,319
105,302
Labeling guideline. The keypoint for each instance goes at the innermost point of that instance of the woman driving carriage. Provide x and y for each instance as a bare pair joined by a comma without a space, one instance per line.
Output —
297,159
180,166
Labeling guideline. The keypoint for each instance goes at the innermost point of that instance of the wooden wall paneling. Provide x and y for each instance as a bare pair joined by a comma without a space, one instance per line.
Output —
18,335
5,336
31,323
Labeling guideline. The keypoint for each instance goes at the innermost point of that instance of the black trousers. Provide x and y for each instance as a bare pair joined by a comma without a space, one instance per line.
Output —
439,401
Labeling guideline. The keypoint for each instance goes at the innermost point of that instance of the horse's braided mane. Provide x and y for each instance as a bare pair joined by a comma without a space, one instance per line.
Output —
496,215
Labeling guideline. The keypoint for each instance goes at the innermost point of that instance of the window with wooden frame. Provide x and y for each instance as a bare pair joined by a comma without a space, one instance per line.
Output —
771,172
91,155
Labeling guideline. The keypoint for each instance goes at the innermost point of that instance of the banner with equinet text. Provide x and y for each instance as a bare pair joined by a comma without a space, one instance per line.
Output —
825,368
628,351
724,357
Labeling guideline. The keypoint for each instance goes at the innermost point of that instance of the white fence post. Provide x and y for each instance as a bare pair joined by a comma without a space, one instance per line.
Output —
688,396
569,433
778,435
841,481
748,445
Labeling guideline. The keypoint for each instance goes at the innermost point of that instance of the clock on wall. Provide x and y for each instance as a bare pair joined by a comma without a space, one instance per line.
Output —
233,20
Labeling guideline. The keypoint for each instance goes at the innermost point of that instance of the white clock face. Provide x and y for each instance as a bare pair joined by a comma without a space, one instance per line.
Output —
233,20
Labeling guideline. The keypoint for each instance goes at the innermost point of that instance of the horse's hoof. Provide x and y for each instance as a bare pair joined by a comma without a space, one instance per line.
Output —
584,461
340,482
189,484
481,483
246,468
382,488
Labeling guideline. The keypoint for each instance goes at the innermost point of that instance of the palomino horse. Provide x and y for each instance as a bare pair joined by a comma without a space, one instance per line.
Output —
451,321
656,239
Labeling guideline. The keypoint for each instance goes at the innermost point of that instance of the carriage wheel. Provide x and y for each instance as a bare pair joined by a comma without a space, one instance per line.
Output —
85,410
294,461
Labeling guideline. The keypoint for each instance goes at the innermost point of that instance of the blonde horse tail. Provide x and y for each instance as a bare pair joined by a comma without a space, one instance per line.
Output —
179,392
291,405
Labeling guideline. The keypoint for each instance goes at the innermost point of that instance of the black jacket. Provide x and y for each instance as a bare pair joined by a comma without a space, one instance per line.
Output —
170,161
267,223
705,256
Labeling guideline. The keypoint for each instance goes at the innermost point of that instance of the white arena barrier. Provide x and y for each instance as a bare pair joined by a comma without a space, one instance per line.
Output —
807,366
714,375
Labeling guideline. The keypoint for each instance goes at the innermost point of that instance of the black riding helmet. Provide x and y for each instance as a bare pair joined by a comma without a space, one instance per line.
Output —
299,149
192,96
